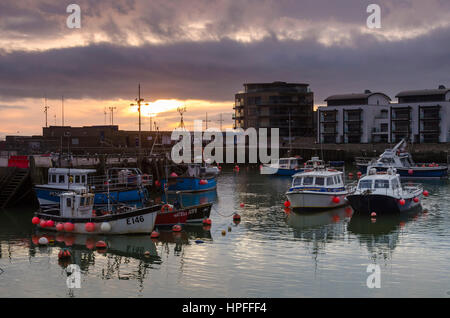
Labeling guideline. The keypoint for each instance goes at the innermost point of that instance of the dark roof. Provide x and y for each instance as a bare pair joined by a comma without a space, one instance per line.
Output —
423,92
353,96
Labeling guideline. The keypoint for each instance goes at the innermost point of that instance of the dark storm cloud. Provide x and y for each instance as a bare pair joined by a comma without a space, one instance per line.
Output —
217,70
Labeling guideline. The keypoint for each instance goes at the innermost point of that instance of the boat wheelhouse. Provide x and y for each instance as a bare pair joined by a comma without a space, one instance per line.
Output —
317,189
283,167
382,192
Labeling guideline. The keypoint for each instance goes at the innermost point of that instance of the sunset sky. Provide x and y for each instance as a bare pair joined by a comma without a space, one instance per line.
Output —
198,53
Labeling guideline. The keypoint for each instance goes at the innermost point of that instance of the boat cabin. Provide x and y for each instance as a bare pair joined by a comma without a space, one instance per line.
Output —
289,163
380,180
314,163
326,178
74,205
63,177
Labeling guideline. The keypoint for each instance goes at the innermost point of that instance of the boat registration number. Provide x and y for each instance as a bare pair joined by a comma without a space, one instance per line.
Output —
134,220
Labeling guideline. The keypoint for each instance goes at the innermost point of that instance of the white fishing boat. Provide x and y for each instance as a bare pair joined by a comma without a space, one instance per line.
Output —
382,192
75,213
317,189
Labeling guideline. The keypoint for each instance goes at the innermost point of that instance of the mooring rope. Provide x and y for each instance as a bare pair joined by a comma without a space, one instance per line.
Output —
227,216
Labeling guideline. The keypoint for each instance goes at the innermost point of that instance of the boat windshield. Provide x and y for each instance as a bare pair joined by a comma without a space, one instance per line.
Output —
365,184
330,181
308,180
381,184
320,181
297,182
387,160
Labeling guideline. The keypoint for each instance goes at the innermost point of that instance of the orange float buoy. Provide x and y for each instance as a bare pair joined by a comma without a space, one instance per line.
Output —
35,220
90,227
176,228
350,175
359,174
69,227
173,174
236,217
287,203
155,234
203,181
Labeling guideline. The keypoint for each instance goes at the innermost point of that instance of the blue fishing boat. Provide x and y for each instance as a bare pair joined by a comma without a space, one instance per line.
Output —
120,185
196,178
402,161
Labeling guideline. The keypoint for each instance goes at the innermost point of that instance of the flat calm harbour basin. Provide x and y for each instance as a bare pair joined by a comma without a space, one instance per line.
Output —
272,252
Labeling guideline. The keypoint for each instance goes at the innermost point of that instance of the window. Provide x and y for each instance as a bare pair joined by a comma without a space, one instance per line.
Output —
308,180
365,184
61,178
82,201
330,181
69,202
336,179
395,184
77,179
83,179
320,181
53,178
297,182
381,184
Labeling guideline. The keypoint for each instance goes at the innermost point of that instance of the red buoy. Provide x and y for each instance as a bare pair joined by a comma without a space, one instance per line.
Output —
236,217
410,171
373,214
242,205
416,199
174,175
359,174
203,181
336,218
236,168
90,227
50,223
287,203
157,183
425,193
35,220
155,234
402,202
207,221
176,228
69,227
43,223
60,227
350,175
336,199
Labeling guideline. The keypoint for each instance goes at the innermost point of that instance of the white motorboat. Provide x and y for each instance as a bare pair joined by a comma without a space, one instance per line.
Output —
382,192
317,189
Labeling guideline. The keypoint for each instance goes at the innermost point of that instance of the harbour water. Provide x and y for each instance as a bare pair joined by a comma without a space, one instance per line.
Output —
270,253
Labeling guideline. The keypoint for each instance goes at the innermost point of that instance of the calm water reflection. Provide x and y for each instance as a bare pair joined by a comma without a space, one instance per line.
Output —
272,252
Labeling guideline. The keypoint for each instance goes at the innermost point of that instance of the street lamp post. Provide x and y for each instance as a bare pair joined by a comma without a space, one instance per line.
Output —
139,103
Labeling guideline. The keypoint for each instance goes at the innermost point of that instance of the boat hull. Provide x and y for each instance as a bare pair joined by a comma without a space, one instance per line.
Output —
50,196
417,172
190,184
310,201
279,171
379,203
138,221
193,214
